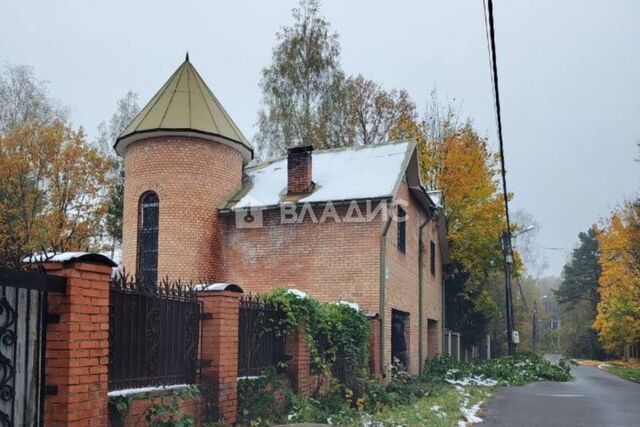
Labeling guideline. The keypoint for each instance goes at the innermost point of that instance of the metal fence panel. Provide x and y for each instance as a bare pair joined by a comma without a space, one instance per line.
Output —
260,346
153,334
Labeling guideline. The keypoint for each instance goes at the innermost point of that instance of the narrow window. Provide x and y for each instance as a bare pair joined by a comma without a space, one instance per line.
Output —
402,229
148,239
432,248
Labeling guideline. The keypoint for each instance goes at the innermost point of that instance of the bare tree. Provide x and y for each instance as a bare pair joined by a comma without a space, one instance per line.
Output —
126,110
533,258
374,112
24,98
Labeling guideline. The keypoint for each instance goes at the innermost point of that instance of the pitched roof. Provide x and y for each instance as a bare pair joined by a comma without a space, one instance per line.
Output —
345,174
185,105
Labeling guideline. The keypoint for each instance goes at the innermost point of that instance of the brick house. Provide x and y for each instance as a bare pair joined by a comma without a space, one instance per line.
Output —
351,224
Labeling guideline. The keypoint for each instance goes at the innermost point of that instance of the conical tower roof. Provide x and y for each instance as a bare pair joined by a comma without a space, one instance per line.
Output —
185,106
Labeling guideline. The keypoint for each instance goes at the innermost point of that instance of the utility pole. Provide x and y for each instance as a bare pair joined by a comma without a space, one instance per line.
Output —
508,260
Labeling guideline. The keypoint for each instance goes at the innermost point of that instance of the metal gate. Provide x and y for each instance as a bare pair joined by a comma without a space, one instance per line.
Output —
23,319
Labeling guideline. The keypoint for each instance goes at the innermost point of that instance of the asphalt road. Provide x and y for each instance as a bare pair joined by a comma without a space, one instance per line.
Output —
593,398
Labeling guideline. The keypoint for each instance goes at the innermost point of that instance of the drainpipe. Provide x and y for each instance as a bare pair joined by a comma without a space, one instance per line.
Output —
420,295
383,279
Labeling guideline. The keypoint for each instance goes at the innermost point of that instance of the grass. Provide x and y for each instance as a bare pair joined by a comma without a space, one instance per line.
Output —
441,410
628,370
446,394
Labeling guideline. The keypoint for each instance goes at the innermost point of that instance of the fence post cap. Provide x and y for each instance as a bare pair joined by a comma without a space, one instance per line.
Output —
218,287
66,257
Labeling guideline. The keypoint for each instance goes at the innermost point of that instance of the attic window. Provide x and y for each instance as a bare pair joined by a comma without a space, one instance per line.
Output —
402,229
148,238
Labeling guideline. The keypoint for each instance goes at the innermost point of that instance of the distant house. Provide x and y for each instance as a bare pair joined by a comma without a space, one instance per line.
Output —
350,224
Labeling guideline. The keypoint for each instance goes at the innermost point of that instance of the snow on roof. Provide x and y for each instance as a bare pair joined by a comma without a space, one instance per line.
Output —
68,256
436,197
342,174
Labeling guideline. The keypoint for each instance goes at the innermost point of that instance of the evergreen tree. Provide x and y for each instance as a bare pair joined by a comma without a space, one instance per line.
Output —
580,275
578,297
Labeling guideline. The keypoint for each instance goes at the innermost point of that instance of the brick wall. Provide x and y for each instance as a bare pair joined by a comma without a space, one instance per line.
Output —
135,415
191,177
330,261
402,271
77,346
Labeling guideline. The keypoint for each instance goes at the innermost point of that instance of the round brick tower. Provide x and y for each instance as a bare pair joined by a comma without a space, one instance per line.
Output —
183,157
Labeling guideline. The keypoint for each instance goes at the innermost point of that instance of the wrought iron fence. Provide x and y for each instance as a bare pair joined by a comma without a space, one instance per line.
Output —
260,345
23,325
153,333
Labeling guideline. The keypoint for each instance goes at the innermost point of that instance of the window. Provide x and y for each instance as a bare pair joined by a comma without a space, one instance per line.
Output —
432,248
402,229
148,239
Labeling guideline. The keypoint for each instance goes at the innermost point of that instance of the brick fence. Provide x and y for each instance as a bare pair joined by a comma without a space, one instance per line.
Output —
77,353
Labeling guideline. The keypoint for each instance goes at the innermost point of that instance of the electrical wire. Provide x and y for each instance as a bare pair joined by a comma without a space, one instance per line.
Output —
493,63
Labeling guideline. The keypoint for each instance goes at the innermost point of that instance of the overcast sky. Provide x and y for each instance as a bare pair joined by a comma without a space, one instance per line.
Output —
569,70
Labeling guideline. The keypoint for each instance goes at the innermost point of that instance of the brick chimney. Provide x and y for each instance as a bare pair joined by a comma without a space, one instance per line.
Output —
299,170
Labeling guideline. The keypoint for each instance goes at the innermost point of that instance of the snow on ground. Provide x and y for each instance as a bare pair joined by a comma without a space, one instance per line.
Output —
469,415
479,380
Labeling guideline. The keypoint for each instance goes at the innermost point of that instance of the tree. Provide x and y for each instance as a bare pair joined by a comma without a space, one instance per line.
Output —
108,132
455,159
580,275
578,295
618,318
23,98
534,261
52,190
303,96
374,113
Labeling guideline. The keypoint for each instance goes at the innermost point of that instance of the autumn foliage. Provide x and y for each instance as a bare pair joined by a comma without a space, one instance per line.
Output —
618,318
52,190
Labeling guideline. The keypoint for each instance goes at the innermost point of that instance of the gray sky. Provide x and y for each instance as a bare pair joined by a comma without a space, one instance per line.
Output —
569,73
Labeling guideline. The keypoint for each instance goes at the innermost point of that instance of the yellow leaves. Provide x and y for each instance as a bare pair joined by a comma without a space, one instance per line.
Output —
52,185
618,318
463,168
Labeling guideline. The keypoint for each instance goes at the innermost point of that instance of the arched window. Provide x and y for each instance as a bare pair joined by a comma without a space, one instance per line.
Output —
148,239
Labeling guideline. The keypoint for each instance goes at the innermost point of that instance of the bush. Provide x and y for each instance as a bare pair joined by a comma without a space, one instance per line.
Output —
263,400
520,369
337,335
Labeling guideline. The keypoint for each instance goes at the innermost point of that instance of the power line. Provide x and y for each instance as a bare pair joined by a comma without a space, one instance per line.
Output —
506,237
496,92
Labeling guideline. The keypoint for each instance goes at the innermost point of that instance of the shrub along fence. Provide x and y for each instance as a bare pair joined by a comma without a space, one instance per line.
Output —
117,352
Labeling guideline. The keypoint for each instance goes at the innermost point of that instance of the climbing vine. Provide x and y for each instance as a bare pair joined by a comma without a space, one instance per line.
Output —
337,334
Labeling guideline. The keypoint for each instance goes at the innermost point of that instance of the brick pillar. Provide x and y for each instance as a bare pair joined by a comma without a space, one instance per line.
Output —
77,353
221,312
298,368
374,348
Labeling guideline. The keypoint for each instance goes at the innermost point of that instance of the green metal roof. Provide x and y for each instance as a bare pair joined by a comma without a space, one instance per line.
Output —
185,105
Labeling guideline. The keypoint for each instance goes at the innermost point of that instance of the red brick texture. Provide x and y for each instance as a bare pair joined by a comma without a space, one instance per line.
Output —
77,347
331,261
192,177
299,170
220,348
135,416
402,277
298,367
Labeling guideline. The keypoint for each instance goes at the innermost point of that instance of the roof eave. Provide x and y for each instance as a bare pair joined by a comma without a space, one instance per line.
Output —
123,141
